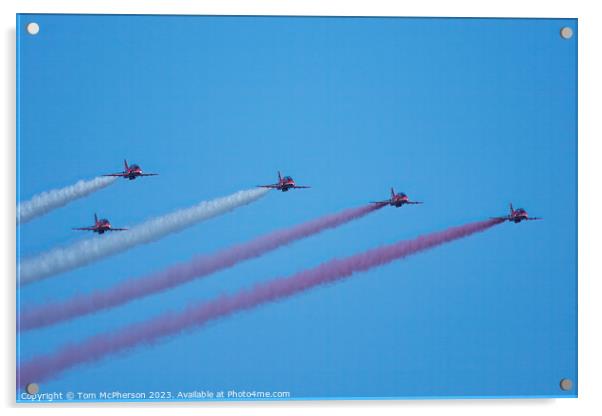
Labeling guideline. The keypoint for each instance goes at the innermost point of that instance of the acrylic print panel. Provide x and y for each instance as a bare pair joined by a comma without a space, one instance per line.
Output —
199,269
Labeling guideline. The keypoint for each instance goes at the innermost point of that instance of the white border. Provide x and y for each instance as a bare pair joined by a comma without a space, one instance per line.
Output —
590,209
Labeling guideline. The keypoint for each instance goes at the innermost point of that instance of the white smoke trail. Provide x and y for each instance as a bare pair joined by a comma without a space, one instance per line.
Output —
84,252
45,202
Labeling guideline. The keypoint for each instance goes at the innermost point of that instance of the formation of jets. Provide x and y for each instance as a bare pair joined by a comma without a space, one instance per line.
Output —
103,225
284,184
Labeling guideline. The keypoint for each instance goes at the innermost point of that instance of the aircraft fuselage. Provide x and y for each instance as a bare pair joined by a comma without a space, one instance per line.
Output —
399,201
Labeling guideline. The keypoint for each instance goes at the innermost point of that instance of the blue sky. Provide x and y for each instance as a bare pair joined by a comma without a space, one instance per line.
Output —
464,114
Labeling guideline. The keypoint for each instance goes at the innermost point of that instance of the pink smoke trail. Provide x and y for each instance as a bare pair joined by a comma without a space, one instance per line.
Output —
182,273
97,347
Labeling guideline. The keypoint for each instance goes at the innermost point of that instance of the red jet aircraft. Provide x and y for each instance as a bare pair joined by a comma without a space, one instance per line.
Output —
397,200
100,226
284,184
518,215
131,172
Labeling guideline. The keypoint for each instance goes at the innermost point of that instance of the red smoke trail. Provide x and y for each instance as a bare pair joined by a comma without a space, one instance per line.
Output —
182,273
99,346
